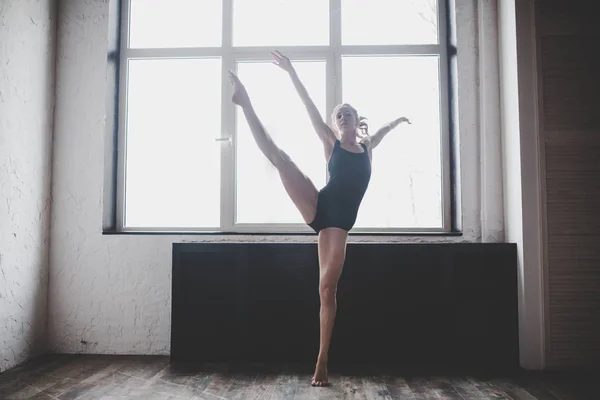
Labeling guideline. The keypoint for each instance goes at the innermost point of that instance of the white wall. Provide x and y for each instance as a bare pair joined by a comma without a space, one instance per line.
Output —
27,33
112,294
522,183
492,193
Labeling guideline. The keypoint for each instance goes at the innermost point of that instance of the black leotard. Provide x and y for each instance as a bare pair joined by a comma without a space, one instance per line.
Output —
338,201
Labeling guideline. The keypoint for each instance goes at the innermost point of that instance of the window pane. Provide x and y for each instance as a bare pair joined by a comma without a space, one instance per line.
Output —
405,188
280,22
175,23
387,22
261,197
173,161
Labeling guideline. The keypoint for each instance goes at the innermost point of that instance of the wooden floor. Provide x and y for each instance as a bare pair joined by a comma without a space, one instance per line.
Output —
118,377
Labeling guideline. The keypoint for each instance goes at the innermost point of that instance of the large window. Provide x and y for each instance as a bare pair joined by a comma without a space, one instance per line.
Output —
187,159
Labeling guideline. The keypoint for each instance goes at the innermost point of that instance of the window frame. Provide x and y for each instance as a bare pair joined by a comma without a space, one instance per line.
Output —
230,56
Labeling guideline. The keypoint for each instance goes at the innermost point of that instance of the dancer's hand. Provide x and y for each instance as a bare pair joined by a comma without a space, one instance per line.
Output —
401,120
240,95
282,61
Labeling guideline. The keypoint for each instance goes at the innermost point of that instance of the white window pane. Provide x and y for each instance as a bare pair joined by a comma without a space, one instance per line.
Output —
173,161
406,184
386,22
175,23
280,22
261,197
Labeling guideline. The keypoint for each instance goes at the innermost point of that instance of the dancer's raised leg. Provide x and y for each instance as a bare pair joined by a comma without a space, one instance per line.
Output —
299,187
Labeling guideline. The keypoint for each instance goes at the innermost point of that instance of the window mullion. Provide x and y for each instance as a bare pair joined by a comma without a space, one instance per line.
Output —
334,61
335,20
122,117
227,123
335,31
444,82
335,23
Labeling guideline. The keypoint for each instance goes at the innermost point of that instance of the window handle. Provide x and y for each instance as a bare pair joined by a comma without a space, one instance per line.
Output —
223,139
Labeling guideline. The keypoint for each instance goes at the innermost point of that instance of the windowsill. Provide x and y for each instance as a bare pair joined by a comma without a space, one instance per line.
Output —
175,233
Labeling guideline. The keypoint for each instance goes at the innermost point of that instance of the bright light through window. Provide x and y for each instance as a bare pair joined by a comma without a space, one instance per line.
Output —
405,188
280,22
387,22
173,161
175,23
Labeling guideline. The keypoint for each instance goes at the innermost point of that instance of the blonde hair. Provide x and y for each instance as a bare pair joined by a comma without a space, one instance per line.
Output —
362,124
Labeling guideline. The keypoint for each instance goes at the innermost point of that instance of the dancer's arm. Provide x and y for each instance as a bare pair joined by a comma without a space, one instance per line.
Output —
322,129
374,140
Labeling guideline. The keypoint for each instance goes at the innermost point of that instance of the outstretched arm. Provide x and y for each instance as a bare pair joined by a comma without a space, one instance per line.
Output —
377,137
322,129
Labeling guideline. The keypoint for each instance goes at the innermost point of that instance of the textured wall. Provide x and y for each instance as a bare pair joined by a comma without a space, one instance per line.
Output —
112,294
27,32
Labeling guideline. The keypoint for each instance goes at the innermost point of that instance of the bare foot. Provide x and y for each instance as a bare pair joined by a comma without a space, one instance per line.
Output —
320,376
240,96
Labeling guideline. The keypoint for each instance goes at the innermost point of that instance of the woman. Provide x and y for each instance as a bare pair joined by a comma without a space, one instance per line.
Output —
331,212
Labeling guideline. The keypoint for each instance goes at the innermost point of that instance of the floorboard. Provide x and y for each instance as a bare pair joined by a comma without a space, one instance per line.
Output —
86,377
